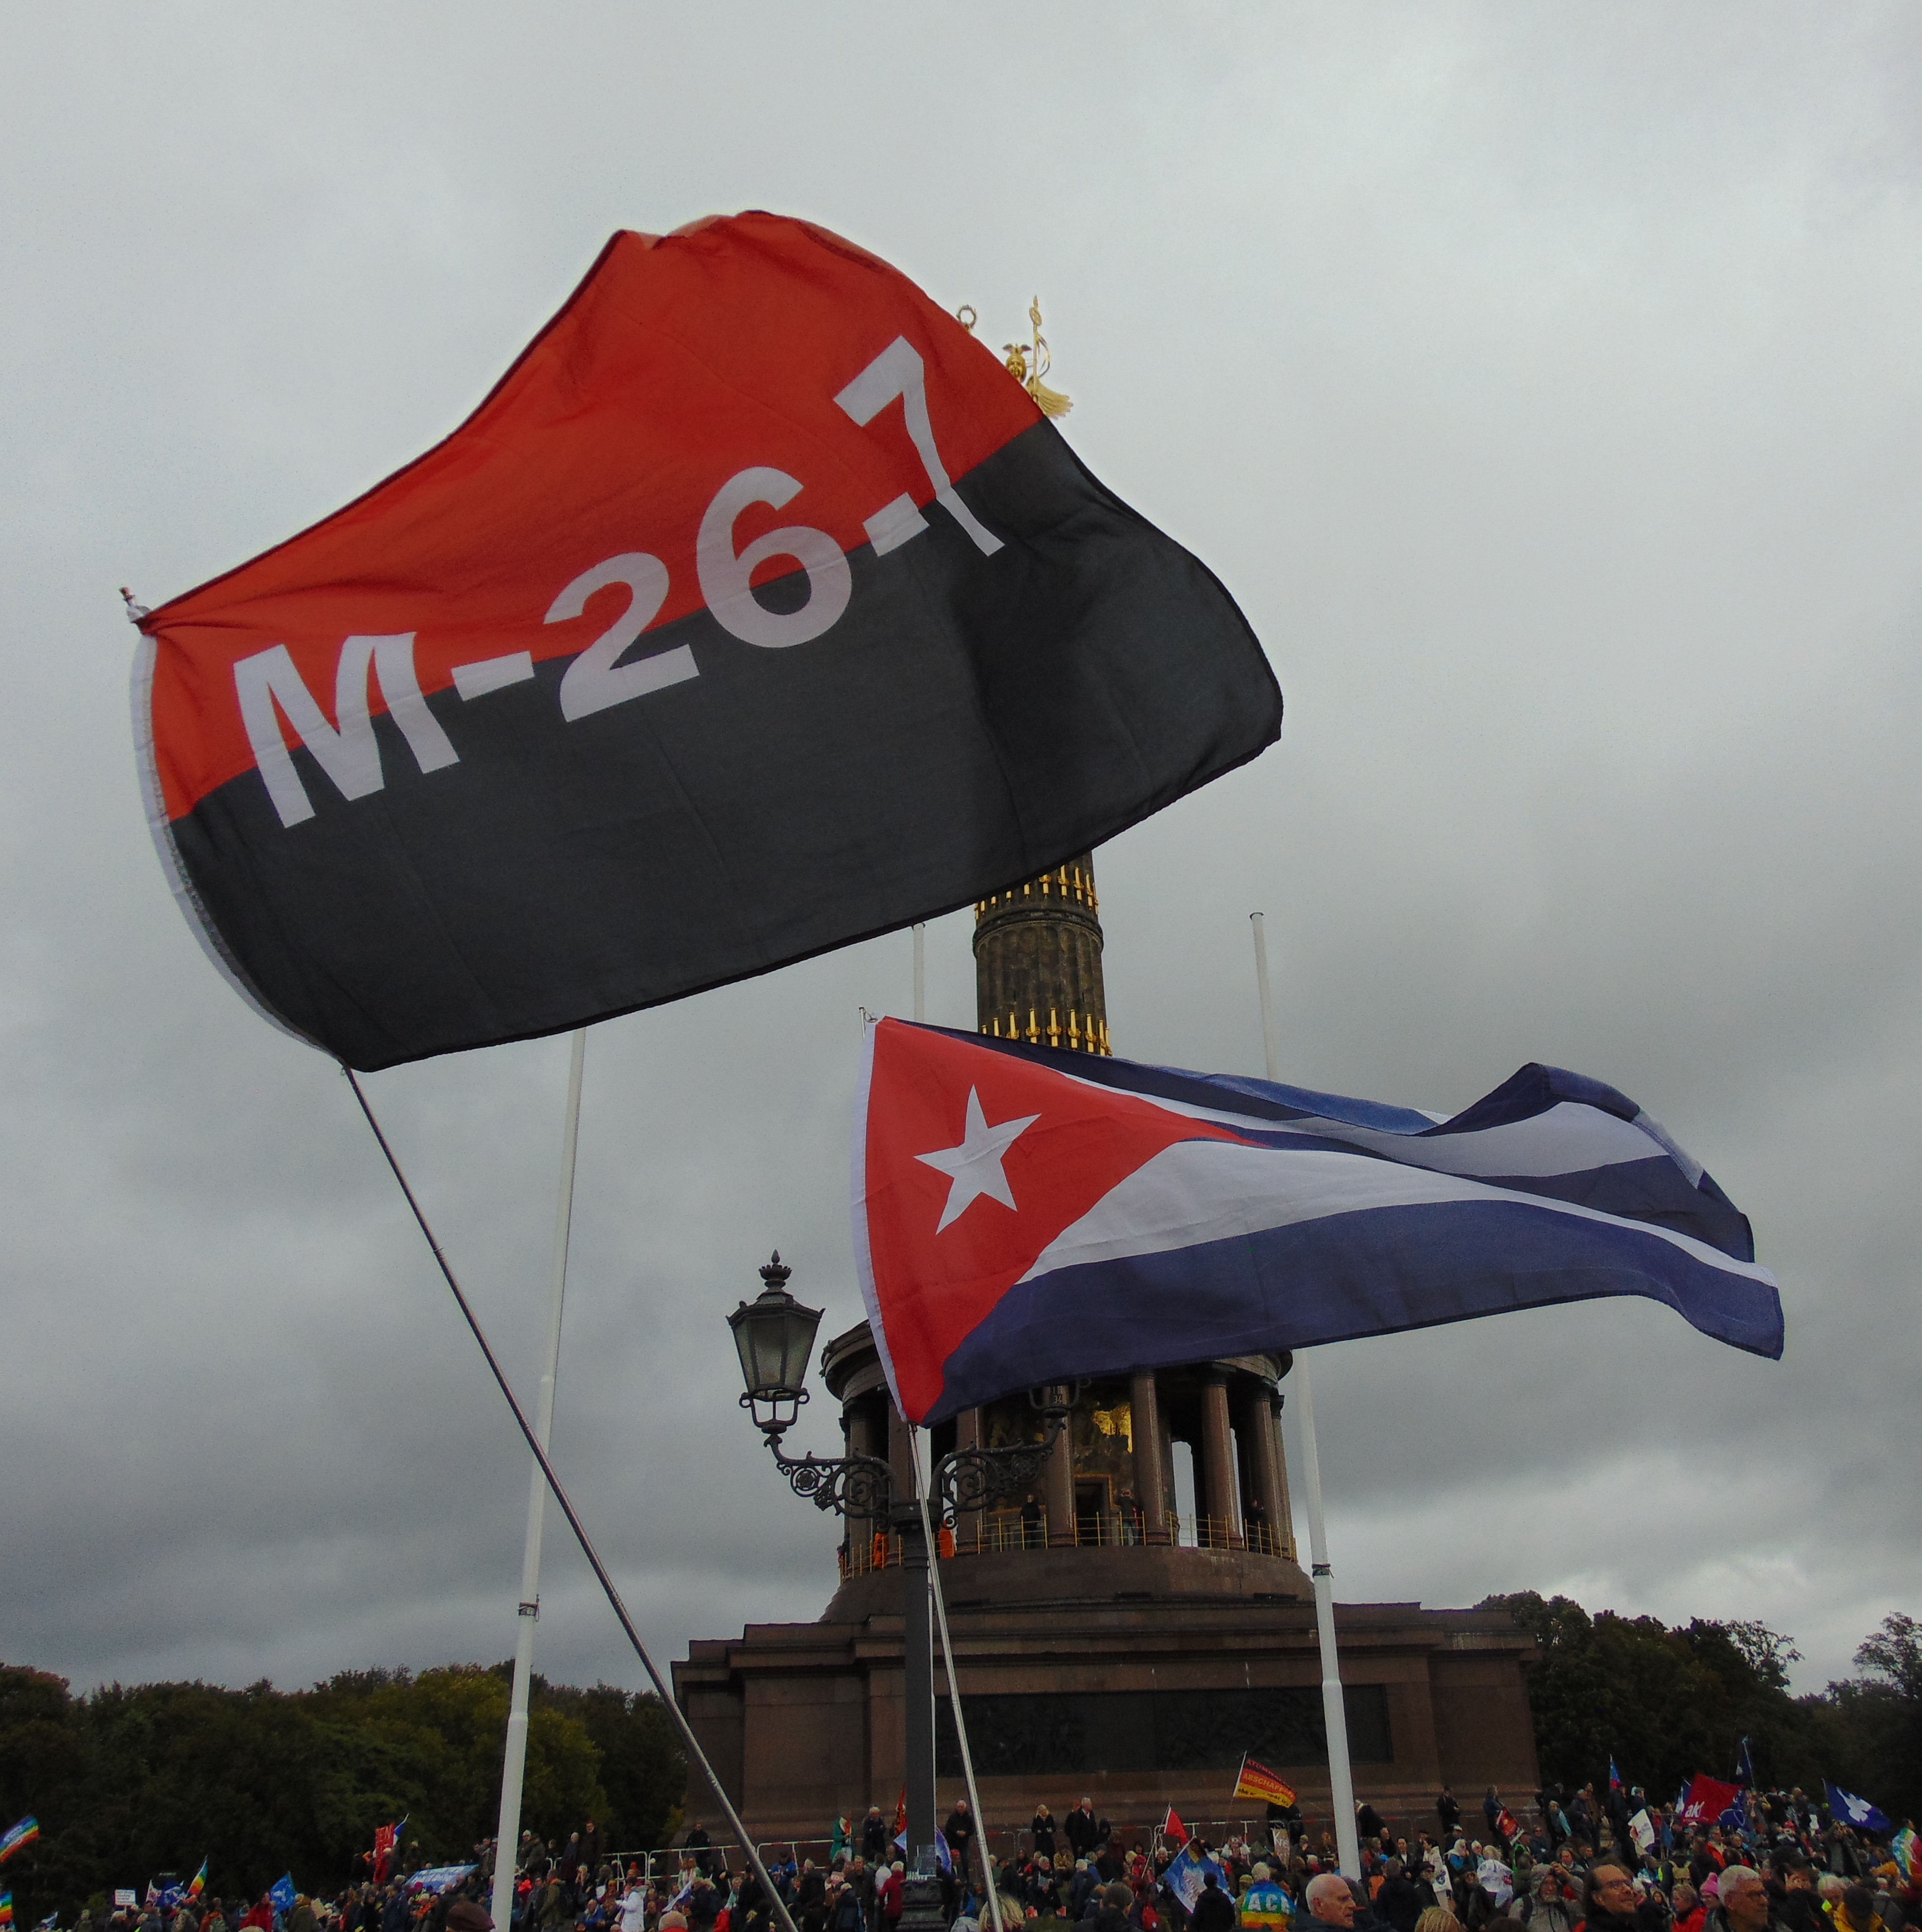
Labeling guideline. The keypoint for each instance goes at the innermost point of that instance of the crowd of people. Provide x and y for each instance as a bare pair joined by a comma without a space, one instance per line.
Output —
1570,1863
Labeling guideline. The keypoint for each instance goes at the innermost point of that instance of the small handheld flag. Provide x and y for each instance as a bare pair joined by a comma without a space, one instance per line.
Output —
1187,1877
282,1892
197,1884
17,1837
1902,1849
6,1908
1257,1781
1614,1776
1745,1767
1173,1829
1023,1215
1847,1809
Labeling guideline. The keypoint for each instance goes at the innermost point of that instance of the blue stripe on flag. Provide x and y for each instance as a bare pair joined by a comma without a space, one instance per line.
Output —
1371,1272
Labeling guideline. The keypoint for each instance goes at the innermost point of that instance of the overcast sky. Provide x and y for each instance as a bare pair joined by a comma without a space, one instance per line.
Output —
1542,382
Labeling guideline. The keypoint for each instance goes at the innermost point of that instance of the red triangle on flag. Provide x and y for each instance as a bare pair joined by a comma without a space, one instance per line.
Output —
955,1132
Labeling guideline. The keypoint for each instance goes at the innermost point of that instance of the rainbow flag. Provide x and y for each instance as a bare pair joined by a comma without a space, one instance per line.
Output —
1903,1845
6,1908
1257,1781
197,1884
22,1834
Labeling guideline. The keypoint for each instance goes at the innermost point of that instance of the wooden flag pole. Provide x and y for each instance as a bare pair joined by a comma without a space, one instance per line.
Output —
1340,1774
513,1763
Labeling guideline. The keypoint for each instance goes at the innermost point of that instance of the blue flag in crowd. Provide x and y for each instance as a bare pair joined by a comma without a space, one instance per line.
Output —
1614,1776
1745,1768
439,1878
1188,1875
1847,1809
282,1893
945,1857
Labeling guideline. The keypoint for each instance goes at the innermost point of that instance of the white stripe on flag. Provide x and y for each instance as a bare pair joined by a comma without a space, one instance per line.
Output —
1199,1191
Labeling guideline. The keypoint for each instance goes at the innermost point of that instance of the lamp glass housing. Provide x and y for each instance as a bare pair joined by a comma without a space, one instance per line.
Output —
774,1336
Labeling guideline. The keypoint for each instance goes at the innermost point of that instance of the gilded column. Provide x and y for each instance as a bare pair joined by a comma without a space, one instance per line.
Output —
1145,1408
1037,962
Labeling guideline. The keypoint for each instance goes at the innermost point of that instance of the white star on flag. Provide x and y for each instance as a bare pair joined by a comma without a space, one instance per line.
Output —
975,1166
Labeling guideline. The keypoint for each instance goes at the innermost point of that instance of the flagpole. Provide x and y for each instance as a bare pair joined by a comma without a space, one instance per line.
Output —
988,1880
920,984
1340,1775
513,1764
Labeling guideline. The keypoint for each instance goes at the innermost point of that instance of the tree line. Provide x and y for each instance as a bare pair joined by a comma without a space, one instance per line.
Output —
131,1782
1665,1703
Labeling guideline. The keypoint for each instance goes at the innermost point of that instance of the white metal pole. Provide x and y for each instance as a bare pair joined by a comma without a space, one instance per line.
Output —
920,976
987,1877
1270,1048
513,1764
1340,1775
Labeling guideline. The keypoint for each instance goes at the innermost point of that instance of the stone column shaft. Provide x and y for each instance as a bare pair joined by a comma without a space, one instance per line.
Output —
1145,1409
1256,1425
1284,1522
1218,1471
1058,1489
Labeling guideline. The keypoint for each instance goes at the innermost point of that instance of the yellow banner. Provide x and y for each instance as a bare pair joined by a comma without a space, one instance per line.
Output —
1257,1781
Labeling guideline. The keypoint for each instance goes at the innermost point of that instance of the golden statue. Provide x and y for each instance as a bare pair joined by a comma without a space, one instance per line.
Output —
1028,362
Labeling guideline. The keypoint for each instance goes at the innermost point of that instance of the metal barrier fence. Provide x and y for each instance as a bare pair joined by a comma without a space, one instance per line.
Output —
666,1863
998,1530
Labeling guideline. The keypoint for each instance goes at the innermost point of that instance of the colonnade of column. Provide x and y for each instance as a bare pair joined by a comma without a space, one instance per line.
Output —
1239,1462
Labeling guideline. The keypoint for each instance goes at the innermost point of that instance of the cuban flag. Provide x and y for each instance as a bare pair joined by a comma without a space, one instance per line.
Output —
1025,1215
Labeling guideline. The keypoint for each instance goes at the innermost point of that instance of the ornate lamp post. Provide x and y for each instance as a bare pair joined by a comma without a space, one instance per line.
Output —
775,1334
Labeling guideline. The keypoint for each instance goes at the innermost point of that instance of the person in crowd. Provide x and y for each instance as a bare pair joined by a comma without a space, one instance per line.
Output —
1437,1919
1043,1829
958,1830
1741,1902
873,1836
1609,1899
1549,1903
1858,1912
1330,1902
890,1894
1399,1901
1084,1831
1214,1910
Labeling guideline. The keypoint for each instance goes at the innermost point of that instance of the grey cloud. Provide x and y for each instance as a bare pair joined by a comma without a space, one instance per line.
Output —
1543,386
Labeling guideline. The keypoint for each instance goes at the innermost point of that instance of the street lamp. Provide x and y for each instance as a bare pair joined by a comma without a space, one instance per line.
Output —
774,1336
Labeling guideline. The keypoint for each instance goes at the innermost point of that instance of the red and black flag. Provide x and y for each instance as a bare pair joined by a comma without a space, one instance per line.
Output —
756,611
